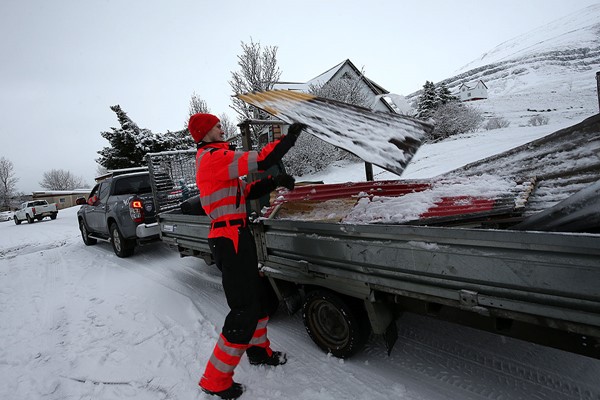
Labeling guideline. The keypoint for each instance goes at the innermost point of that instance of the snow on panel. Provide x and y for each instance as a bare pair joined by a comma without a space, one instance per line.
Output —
384,139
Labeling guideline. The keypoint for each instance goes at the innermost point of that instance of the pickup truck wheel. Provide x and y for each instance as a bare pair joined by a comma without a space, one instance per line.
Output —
333,324
29,219
85,235
17,221
122,247
52,216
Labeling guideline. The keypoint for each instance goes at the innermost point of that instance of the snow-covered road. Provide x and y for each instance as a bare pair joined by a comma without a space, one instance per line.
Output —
79,323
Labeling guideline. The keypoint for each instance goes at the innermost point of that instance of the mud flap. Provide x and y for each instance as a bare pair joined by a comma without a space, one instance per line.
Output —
382,322
390,337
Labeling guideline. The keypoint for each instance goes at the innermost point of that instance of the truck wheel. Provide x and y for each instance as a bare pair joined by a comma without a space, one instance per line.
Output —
85,235
122,247
29,219
52,216
17,221
333,324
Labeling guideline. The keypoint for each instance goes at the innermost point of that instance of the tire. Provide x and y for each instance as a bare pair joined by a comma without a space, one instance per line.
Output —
29,219
17,221
53,216
85,235
123,247
333,324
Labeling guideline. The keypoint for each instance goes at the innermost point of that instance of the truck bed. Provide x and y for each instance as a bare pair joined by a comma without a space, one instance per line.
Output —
459,258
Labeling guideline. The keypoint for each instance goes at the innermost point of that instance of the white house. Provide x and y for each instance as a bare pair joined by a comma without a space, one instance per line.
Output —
381,99
479,91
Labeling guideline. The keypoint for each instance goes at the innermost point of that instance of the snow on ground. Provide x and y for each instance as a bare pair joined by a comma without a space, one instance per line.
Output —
78,322
438,158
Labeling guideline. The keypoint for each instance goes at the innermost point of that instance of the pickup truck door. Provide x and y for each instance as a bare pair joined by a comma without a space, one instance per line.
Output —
95,213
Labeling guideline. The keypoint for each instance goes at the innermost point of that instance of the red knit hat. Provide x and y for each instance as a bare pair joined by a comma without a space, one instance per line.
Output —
200,124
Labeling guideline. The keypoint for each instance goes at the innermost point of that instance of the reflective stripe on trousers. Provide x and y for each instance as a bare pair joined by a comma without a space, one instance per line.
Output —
218,374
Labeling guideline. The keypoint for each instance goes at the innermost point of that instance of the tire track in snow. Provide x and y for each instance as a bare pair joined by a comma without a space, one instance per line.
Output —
483,372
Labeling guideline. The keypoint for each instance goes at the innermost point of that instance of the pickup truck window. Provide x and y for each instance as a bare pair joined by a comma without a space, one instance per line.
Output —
133,185
103,191
39,203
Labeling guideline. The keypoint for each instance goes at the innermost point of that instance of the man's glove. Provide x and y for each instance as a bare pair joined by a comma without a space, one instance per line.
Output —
285,180
294,131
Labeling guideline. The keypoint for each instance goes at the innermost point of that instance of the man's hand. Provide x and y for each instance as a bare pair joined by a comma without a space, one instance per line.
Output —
294,130
285,180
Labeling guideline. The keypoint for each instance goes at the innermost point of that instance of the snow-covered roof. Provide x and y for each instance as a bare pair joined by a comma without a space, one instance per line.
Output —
474,85
328,75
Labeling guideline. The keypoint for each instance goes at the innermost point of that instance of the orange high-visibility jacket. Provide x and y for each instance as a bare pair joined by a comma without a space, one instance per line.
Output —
222,192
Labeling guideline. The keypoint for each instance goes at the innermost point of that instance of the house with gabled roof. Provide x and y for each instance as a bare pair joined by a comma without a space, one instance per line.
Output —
478,91
381,99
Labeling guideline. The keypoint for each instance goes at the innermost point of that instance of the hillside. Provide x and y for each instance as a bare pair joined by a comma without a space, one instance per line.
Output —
549,70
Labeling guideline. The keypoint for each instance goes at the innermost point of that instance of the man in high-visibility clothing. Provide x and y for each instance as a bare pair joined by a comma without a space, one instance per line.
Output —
223,195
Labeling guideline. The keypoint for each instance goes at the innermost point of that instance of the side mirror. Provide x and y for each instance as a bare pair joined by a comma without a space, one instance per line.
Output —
80,201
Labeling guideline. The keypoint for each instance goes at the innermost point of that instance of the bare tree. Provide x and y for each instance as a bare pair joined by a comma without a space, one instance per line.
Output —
453,118
59,179
100,170
311,154
228,126
347,89
8,182
197,105
258,72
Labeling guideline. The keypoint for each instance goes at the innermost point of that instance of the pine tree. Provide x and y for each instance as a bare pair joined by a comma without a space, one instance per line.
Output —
129,144
443,95
427,102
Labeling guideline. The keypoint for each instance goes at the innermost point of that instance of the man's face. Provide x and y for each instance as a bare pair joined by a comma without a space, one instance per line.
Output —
216,134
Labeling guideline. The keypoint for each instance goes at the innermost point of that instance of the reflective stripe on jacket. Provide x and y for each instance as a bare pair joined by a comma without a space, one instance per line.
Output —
222,192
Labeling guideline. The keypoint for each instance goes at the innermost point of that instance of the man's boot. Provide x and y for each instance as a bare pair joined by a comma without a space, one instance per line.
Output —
233,392
261,356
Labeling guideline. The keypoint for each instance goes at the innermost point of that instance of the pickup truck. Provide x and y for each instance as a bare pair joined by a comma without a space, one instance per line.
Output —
120,209
35,210
482,263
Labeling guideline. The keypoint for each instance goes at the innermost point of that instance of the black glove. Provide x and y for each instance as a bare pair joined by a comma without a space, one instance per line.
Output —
294,131
285,180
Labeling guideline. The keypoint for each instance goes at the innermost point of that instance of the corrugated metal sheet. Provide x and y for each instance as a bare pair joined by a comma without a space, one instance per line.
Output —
563,163
448,210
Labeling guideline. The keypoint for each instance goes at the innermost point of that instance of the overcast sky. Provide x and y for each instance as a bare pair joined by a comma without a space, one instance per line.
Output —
65,62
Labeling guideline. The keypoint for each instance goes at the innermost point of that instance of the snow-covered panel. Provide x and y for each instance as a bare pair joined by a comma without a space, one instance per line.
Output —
563,162
384,139
429,202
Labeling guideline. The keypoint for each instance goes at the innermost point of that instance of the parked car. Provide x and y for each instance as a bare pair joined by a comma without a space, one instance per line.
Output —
120,209
6,216
35,210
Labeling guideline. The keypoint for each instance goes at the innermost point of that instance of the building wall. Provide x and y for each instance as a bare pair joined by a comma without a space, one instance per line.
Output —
62,199
478,91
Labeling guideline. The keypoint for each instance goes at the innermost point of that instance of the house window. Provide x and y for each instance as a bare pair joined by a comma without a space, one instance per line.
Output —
347,76
469,94
61,200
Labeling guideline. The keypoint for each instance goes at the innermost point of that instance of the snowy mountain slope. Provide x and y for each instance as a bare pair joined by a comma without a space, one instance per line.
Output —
578,30
550,71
